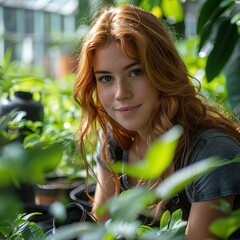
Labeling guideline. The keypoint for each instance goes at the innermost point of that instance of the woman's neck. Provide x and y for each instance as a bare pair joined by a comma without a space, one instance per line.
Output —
137,150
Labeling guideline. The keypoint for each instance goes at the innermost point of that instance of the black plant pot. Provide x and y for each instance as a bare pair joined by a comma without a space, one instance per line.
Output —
76,213
79,195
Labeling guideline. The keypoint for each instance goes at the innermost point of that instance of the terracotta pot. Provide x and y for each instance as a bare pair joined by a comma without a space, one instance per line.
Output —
55,189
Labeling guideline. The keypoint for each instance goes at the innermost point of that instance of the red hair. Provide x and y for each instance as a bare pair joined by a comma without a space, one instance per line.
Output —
144,38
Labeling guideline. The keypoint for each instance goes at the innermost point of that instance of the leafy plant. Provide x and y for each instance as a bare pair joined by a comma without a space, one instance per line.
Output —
166,146
60,116
126,208
20,166
22,228
217,27
171,227
16,161
224,227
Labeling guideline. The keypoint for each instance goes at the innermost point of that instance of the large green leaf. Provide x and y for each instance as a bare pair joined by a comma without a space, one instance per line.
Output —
224,227
208,18
157,159
180,179
83,230
226,39
127,230
207,35
129,204
232,71
210,11
20,165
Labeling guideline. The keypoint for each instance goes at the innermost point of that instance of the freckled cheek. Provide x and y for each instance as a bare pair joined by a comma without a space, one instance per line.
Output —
146,90
106,98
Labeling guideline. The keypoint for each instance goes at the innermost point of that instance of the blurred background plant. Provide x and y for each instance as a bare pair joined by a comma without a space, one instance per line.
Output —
60,113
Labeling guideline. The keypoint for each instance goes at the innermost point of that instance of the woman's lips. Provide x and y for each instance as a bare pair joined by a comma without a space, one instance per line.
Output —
127,110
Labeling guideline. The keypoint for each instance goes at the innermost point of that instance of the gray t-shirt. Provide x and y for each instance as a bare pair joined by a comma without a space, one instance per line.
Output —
224,180
221,182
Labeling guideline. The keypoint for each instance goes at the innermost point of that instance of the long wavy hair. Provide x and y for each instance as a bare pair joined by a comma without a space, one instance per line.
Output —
148,40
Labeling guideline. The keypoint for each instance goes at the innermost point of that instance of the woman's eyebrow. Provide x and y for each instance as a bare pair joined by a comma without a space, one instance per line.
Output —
102,72
130,65
125,68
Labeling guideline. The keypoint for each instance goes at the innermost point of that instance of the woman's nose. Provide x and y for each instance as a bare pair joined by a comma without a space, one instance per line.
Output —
123,90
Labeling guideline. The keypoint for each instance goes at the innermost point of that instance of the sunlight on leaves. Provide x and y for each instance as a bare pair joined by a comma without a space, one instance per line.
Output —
127,230
176,182
157,11
85,230
165,219
125,207
157,159
172,10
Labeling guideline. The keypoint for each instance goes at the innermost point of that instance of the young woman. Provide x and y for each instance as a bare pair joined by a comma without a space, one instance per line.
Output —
133,85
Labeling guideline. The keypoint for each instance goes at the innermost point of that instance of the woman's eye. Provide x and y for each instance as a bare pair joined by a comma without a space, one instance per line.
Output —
136,73
105,79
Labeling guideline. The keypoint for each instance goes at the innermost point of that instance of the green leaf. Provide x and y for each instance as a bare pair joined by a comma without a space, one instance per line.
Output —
232,71
86,230
224,227
125,229
44,160
142,229
206,11
211,10
207,33
129,204
34,232
175,218
31,140
172,222
157,159
165,220
235,18
16,161
224,206
172,10
22,227
177,181
28,216
226,39
207,30
16,236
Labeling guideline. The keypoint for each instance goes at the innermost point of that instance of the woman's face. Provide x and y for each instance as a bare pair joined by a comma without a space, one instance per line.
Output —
124,91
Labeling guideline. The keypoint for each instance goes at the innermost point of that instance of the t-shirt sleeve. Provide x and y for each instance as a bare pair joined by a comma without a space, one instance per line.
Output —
111,151
224,180
98,157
